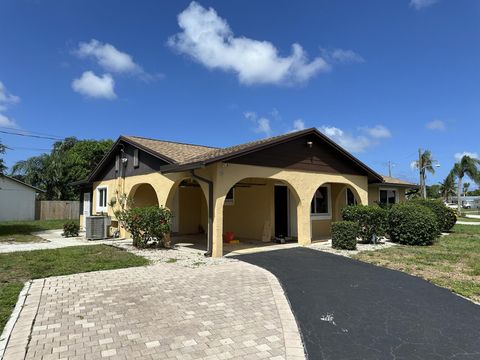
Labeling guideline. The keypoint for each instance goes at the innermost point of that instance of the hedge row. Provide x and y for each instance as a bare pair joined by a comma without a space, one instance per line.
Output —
416,222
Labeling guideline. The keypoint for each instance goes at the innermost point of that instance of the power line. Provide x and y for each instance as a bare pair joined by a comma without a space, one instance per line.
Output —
30,135
28,131
25,148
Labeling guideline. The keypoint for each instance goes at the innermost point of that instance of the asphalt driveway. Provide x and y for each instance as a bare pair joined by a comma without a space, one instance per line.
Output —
347,309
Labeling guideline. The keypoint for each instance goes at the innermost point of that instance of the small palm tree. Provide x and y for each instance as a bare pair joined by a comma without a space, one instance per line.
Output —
447,187
465,188
466,166
424,164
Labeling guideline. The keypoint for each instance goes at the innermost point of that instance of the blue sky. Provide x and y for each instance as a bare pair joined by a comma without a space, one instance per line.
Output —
382,78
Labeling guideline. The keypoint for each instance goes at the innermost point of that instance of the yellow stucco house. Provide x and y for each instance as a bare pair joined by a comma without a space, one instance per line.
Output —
289,186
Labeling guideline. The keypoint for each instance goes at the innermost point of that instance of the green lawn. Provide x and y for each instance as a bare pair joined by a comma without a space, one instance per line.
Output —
20,231
18,267
468,219
452,262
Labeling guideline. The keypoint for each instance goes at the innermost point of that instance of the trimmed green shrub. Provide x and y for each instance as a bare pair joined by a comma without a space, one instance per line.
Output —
70,228
446,217
344,235
412,224
149,226
372,220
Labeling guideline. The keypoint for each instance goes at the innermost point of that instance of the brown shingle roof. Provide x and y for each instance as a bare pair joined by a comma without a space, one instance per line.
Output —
395,181
173,151
220,152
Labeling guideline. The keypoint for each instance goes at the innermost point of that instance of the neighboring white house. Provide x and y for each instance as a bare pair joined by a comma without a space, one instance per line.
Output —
17,199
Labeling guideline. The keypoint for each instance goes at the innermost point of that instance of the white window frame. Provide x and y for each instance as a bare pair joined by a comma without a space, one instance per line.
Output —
97,202
397,195
328,215
230,202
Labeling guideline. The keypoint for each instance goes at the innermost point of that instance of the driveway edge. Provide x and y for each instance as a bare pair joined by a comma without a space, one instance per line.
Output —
294,348
24,314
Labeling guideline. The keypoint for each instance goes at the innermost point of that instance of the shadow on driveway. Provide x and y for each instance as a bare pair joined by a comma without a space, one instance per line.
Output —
348,309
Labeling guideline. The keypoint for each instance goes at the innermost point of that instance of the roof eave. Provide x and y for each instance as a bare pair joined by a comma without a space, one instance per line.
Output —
174,168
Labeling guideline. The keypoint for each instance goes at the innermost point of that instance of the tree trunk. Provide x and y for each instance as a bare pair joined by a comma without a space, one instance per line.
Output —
459,195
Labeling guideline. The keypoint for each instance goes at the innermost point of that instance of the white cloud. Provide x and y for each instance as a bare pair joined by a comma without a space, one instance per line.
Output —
6,99
356,143
7,122
474,155
420,4
377,132
298,124
262,124
108,57
436,125
95,86
343,56
208,39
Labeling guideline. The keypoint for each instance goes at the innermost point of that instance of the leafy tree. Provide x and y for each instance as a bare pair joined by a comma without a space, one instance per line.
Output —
474,192
70,160
2,164
465,188
425,164
447,187
433,191
466,166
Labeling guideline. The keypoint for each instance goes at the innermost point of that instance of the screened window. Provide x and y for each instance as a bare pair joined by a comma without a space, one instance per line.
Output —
102,199
320,206
388,196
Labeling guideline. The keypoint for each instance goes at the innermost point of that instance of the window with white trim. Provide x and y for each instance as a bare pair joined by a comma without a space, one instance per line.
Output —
321,204
102,202
230,198
388,196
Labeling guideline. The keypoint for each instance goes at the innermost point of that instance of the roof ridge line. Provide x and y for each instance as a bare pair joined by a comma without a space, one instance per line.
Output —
169,141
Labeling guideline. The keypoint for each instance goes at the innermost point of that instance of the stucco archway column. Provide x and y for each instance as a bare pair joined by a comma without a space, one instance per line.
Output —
217,226
304,228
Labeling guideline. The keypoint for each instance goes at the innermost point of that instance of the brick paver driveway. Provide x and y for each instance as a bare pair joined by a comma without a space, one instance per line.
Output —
233,310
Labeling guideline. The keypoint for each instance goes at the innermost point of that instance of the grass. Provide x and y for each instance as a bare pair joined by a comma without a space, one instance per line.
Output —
20,231
468,219
452,262
18,267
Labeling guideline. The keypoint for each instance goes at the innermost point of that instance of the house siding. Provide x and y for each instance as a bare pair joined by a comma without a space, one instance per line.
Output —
296,155
17,201
147,164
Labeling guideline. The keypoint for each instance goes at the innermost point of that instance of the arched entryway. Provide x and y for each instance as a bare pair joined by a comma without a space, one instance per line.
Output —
259,212
143,195
188,205
326,205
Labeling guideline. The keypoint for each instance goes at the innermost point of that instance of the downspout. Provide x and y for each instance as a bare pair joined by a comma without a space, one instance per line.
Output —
210,211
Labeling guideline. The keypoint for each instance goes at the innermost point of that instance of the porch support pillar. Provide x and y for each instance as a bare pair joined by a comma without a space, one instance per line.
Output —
304,226
217,228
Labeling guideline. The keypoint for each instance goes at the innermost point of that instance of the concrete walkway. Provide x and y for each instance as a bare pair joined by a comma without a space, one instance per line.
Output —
232,310
468,222
55,240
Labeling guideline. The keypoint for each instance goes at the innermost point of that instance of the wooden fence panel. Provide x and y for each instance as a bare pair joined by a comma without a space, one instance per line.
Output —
55,209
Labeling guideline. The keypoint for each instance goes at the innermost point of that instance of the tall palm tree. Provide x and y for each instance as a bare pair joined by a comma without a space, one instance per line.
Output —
466,166
447,187
424,164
